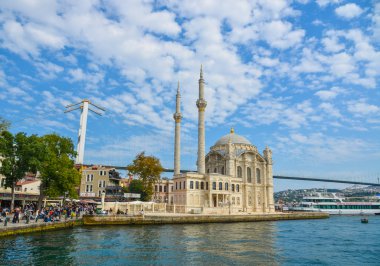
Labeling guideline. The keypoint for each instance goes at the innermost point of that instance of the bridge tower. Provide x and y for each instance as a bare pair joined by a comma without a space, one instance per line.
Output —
84,105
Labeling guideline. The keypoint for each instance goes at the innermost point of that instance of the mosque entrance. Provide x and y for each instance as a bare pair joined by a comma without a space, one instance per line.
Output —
218,200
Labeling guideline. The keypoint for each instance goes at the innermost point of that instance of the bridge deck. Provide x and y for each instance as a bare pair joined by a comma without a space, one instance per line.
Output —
166,170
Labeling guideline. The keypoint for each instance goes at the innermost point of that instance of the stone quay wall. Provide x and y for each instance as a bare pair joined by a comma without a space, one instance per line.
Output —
37,227
193,218
150,219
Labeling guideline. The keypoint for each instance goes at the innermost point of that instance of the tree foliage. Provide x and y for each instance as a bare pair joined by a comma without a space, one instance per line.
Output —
148,169
4,124
19,156
137,186
56,167
50,155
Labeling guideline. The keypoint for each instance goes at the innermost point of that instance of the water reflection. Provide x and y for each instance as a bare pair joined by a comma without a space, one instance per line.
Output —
36,248
230,243
331,241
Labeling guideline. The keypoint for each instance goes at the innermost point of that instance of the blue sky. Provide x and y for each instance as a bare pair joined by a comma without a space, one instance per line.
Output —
299,76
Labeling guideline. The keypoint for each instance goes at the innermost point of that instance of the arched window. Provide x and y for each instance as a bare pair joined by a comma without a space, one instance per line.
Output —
237,188
233,187
226,186
191,184
258,177
215,170
197,184
214,185
202,185
249,175
208,171
220,186
239,172
222,170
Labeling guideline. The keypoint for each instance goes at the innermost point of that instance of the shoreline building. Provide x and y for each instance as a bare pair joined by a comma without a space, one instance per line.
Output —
27,191
232,177
99,179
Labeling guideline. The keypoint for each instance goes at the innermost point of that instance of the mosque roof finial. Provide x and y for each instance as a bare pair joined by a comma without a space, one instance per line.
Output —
201,75
232,131
178,87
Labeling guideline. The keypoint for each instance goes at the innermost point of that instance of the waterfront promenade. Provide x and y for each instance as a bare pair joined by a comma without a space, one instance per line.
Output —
151,219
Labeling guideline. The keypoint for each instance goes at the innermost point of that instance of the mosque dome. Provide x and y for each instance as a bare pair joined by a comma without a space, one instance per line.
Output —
235,139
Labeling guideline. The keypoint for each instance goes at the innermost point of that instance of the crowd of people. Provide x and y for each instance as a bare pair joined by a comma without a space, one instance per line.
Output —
55,213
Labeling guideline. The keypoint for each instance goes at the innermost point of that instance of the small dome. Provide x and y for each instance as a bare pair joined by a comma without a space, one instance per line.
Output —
235,139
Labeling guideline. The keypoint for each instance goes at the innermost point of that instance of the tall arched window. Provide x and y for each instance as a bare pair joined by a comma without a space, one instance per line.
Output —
222,170
258,177
249,175
226,186
208,171
239,172
215,170
220,186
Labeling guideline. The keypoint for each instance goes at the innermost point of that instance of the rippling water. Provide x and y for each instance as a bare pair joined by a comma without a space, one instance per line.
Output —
334,241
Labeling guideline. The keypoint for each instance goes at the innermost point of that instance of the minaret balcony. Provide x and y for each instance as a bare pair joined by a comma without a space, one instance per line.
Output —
177,117
201,104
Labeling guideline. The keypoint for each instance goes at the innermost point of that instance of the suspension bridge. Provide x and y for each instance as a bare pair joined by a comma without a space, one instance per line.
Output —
329,180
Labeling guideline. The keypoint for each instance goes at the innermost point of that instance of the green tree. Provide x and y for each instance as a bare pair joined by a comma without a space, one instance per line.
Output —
56,167
18,154
137,186
4,124
148,169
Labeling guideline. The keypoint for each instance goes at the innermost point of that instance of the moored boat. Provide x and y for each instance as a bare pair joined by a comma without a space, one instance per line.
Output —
336,205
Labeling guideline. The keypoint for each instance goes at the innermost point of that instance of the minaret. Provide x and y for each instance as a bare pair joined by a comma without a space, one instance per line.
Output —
177,142
201,104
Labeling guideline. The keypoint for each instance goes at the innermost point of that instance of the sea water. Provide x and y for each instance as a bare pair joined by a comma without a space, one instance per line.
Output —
339,240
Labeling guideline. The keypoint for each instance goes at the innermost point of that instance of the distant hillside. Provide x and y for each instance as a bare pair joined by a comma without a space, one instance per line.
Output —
292,196
357,192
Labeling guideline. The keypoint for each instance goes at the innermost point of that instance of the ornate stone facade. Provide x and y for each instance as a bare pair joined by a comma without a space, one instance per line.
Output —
233,177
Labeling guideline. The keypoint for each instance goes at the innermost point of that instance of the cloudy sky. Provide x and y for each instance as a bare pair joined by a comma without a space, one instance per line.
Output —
300,76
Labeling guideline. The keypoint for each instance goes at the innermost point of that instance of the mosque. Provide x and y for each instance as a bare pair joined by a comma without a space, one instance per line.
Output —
233,177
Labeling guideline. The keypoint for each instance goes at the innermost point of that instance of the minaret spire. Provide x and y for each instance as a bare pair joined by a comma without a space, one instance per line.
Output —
177,142
201,104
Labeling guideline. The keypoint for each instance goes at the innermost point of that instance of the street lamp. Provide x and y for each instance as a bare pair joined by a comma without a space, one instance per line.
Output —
64,197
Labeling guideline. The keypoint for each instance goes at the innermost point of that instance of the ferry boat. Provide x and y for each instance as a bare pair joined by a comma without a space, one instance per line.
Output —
334,204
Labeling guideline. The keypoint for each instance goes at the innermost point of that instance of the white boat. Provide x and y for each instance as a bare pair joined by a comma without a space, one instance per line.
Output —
334,204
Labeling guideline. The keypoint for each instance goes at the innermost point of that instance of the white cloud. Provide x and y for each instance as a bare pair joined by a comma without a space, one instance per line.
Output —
76,74
327,95
332,44
48,70
362,108
342,64
309,62
323,3
376,22
330,109
128,56
280,35
267,61
349,11
269,110
320,147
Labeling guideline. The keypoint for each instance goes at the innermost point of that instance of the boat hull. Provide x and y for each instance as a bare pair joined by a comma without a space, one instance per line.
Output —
337,211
